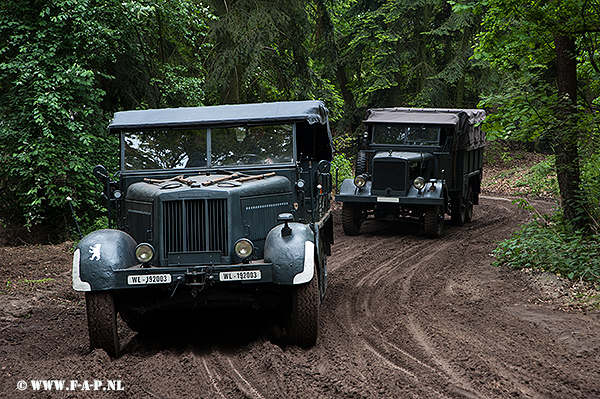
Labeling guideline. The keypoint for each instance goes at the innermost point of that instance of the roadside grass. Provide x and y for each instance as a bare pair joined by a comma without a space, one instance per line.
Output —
547,243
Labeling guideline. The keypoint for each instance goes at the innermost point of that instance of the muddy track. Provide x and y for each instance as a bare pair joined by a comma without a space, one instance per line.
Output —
404,317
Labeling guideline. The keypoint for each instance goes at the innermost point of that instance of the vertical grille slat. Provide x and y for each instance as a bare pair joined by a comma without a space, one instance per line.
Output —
195,226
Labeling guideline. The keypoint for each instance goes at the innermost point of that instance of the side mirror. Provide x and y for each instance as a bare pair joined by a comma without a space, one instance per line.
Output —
100,173
324,166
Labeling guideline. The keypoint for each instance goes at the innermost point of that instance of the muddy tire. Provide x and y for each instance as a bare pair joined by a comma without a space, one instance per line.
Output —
458,211
351,219
469,205
304,323
434,221
102,321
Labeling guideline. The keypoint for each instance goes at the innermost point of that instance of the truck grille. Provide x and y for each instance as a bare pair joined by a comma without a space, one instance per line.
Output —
389,174
195,226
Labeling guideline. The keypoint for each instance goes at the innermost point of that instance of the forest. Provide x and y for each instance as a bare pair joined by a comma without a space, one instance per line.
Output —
67,65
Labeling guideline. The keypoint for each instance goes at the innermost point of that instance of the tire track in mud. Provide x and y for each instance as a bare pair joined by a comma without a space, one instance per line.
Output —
226,378
371,302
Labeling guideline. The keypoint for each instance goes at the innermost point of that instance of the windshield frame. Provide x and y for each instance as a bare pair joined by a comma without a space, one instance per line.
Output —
209,149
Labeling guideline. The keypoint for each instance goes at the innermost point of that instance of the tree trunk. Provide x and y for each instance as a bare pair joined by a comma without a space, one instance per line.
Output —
567,157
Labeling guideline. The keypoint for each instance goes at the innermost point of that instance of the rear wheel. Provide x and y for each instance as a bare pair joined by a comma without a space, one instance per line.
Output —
469,205
304,324
458,210
351,219
434,221
102,321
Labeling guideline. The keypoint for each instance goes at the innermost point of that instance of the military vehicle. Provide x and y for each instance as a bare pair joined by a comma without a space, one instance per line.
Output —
416,163
217,206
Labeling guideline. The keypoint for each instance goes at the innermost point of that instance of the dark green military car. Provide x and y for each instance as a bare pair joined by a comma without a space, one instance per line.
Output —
215,207
417,164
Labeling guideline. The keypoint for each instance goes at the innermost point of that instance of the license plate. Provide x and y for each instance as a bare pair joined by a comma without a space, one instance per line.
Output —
149,279
388,199
241,275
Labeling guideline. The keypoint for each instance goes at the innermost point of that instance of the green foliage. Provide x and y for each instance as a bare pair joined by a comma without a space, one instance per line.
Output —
341,168
65,67
547,244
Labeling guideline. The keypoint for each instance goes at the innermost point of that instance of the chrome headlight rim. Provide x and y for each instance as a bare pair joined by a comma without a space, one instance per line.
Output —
144,252
243,248
360,181
419,183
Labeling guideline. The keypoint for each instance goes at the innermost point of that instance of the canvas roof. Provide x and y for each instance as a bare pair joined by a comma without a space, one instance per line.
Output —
437,116
289,111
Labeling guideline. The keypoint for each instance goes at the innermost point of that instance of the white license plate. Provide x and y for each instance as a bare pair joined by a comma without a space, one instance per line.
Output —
388,199
240,275
149,279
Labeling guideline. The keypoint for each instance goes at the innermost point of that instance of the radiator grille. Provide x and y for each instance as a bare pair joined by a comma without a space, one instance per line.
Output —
195,226
389,174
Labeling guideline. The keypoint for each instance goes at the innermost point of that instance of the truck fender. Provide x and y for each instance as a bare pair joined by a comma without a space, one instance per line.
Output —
293,255
98,255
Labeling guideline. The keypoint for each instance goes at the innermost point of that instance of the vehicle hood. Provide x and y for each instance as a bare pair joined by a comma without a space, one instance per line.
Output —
404,155
200,187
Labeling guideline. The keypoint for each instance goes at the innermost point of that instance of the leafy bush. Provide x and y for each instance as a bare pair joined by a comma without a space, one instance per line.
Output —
341,168
547,244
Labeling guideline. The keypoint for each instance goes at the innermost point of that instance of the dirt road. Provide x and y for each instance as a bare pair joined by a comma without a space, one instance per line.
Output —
404,317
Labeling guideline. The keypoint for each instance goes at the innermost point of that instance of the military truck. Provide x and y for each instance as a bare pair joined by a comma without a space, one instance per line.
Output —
215,206
418,164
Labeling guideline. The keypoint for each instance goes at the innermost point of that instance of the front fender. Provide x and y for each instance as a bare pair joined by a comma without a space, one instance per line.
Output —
98,255
293,256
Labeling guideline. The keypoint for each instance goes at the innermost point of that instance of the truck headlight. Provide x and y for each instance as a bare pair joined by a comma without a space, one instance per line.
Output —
360,181
144,253
419,183
243,248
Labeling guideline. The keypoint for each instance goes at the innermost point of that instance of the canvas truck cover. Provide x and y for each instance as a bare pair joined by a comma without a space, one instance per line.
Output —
467,121
292,111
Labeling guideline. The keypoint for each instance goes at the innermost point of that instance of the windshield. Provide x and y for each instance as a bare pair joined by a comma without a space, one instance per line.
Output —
193,148
406,134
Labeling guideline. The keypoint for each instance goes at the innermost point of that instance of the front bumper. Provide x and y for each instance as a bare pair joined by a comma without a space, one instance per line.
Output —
431,194
244,273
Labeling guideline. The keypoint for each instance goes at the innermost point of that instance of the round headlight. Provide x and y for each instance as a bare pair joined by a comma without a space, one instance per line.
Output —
243,248
360,181
419,183
144,253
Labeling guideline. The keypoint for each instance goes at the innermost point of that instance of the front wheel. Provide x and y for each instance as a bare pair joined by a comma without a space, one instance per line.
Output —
434,221
351,219
102,321
304,324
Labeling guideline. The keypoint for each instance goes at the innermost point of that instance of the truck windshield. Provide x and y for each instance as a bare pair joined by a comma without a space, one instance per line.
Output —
193,148
406,134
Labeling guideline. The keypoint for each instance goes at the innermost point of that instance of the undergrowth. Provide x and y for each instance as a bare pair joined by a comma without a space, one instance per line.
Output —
548,244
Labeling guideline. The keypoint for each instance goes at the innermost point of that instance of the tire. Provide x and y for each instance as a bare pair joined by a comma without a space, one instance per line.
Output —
434,221
304,325
351,219
361,163
102,321
458,211
469,205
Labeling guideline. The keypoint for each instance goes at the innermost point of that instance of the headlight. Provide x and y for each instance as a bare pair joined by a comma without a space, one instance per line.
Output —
360,181
419,183
144,253
243,248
